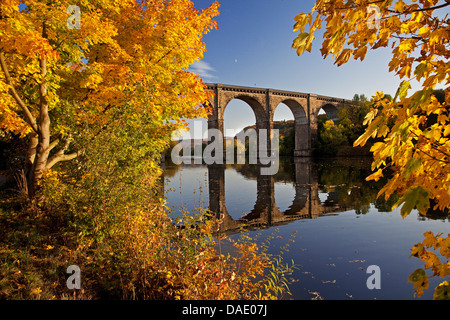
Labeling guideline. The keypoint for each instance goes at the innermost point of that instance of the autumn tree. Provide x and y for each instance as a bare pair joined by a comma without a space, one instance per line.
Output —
334,135
414,127
97,89
69,72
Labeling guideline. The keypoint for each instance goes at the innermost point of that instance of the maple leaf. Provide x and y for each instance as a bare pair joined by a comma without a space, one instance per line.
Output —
412,129
127,63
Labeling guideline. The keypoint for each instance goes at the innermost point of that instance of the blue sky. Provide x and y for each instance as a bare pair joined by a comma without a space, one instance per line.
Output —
252,47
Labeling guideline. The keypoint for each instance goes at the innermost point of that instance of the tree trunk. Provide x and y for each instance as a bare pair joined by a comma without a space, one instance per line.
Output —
39,147
29,160
43,146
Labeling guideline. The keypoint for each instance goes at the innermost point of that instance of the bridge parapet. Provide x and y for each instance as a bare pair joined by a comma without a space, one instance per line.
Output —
263,101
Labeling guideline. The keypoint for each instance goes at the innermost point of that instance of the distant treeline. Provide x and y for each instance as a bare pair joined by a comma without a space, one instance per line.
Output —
335,137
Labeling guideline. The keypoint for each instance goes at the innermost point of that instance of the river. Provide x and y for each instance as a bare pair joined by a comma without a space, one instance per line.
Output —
340,227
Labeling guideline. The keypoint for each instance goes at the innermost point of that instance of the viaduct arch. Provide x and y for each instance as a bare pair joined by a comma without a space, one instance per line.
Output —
304,106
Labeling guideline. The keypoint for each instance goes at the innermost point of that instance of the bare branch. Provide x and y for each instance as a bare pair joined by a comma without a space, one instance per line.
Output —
53,144
29,117
422,9
60,157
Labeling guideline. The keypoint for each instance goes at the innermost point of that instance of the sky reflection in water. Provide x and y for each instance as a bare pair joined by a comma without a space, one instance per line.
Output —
341,227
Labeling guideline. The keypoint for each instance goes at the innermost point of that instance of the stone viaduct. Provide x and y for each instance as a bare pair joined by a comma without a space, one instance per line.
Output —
304,106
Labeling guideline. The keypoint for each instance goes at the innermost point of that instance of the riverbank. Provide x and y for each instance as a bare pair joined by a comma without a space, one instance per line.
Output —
134,253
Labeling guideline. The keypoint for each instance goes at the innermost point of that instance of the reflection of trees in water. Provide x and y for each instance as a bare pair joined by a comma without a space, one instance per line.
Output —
344,181
170,168
342,178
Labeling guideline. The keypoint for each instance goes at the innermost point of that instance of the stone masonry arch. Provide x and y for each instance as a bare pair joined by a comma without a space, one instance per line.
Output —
304,106
301,121
330,110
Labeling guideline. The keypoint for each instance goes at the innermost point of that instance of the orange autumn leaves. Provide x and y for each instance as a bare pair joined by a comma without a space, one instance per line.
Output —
128,58
412,128
419,148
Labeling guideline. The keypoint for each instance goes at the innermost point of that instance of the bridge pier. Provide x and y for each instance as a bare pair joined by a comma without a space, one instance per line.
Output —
305,108
264,146
302,145
216,124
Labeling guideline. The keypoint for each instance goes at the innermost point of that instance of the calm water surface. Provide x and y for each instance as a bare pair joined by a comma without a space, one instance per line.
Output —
341,228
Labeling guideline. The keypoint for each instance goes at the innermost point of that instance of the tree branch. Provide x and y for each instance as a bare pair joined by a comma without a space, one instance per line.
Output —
393,11
432,157
60,157
53,144
422,9
29,117
435,148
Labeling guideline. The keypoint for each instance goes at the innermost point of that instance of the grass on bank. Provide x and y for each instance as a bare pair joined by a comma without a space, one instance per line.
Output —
130,254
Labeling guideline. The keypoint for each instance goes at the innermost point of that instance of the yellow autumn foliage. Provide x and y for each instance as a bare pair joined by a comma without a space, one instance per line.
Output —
413,127
58,85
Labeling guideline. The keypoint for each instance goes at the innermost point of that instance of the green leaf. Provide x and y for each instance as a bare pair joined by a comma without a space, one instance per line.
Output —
417,275
414,198
412,165
402,90
442,292
419,98
420,69
420,280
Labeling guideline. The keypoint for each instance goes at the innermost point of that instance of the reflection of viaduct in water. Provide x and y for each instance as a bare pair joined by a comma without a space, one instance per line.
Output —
306,203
